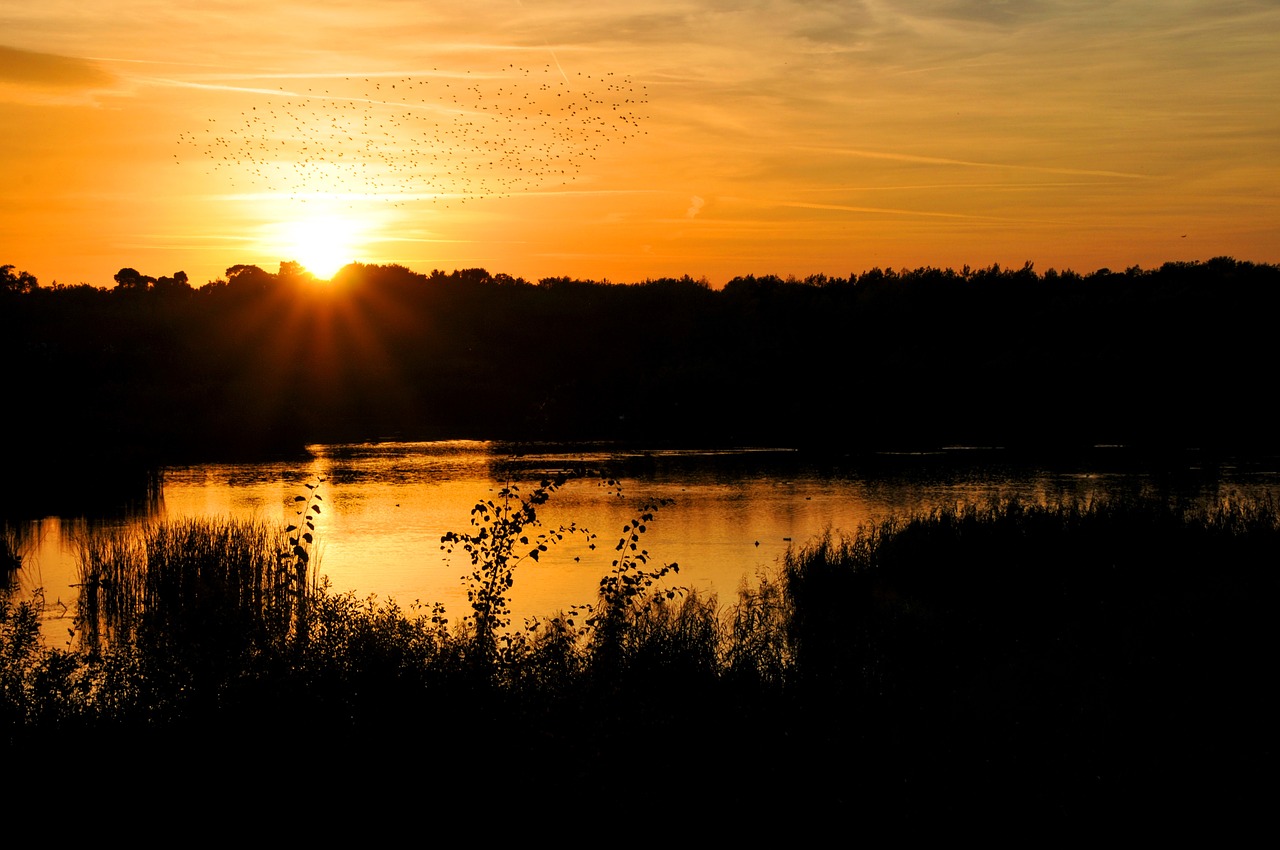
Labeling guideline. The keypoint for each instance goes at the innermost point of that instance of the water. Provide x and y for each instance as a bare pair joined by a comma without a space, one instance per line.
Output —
725,516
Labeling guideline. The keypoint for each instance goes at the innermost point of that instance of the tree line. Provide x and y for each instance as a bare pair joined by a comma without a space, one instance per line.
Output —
158,370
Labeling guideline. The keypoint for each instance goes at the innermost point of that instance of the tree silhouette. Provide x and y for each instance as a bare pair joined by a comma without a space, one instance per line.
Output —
905,359
249,278
294,272
132,280
175,285
20,283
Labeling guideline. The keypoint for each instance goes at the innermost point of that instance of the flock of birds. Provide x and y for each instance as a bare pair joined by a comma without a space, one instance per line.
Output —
441,136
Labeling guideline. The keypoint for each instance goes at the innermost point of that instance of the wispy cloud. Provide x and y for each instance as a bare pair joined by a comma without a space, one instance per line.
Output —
939,160
49,70
808,205
191,84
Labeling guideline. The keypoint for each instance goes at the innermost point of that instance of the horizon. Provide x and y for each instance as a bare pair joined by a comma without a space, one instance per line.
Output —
663,140
291,268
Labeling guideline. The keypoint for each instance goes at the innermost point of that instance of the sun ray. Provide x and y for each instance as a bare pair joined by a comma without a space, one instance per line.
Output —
322,244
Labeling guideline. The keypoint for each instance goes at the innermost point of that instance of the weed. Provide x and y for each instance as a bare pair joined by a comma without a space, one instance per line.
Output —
630,588
20,651
191,583
499,543
754,646
10,558
295,561
1045,643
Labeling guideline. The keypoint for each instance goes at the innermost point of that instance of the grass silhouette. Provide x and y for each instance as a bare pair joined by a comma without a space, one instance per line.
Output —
1071,657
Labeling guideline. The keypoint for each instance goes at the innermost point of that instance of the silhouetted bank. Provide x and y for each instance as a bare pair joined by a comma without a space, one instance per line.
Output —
262,362
1066,665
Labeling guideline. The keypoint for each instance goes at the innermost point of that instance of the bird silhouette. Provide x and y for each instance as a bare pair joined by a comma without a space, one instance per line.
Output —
443,136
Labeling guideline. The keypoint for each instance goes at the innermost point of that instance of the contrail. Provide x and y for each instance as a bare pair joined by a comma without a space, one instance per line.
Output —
547,45
938,160
186,84
557,61
805,205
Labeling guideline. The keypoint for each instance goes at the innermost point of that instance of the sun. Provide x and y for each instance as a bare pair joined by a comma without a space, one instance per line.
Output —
322,244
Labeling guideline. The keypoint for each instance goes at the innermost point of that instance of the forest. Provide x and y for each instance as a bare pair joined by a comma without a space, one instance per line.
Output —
155,370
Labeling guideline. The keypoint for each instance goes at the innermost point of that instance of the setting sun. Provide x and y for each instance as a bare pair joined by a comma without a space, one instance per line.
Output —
322,244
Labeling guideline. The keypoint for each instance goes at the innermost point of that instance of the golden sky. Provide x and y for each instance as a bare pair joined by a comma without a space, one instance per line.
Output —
630,141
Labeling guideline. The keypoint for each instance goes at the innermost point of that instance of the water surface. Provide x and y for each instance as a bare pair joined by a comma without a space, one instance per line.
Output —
724,516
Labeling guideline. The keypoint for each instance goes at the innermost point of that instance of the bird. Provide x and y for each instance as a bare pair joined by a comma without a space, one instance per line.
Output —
470,136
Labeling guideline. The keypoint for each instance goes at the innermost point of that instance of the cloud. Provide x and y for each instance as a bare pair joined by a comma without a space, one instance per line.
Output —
695,206
49,70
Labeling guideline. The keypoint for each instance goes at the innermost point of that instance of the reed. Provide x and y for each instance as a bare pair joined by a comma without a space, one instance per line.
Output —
20,650
990,651
678,639
754,649
182,583
10,558
1005,606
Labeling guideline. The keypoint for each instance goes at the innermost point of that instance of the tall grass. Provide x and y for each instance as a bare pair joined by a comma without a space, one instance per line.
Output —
1039,650
10,558
186,582
907,610
943,593
754,645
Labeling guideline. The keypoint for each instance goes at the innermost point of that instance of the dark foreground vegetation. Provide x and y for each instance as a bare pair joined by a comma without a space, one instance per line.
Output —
1000,662
159,370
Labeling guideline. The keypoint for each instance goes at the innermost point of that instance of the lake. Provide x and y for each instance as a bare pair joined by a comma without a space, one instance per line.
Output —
725,516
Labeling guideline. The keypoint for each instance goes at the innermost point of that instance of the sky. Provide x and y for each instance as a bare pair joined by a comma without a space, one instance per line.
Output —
634,141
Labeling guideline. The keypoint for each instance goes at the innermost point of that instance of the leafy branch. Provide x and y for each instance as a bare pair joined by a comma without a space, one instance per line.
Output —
631,585
300,581
498,544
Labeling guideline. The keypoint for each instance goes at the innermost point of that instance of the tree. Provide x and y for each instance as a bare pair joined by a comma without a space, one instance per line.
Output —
249,278
176,284
131,280
20,283
294,272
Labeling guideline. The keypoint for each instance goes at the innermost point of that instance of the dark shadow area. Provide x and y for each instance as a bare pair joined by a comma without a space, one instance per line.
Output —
262,363
1081,663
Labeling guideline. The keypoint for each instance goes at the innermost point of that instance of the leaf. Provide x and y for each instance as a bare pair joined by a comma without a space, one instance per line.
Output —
299,498
534,554
289,528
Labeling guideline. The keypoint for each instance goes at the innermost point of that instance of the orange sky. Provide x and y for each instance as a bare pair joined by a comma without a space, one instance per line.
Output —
629,141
